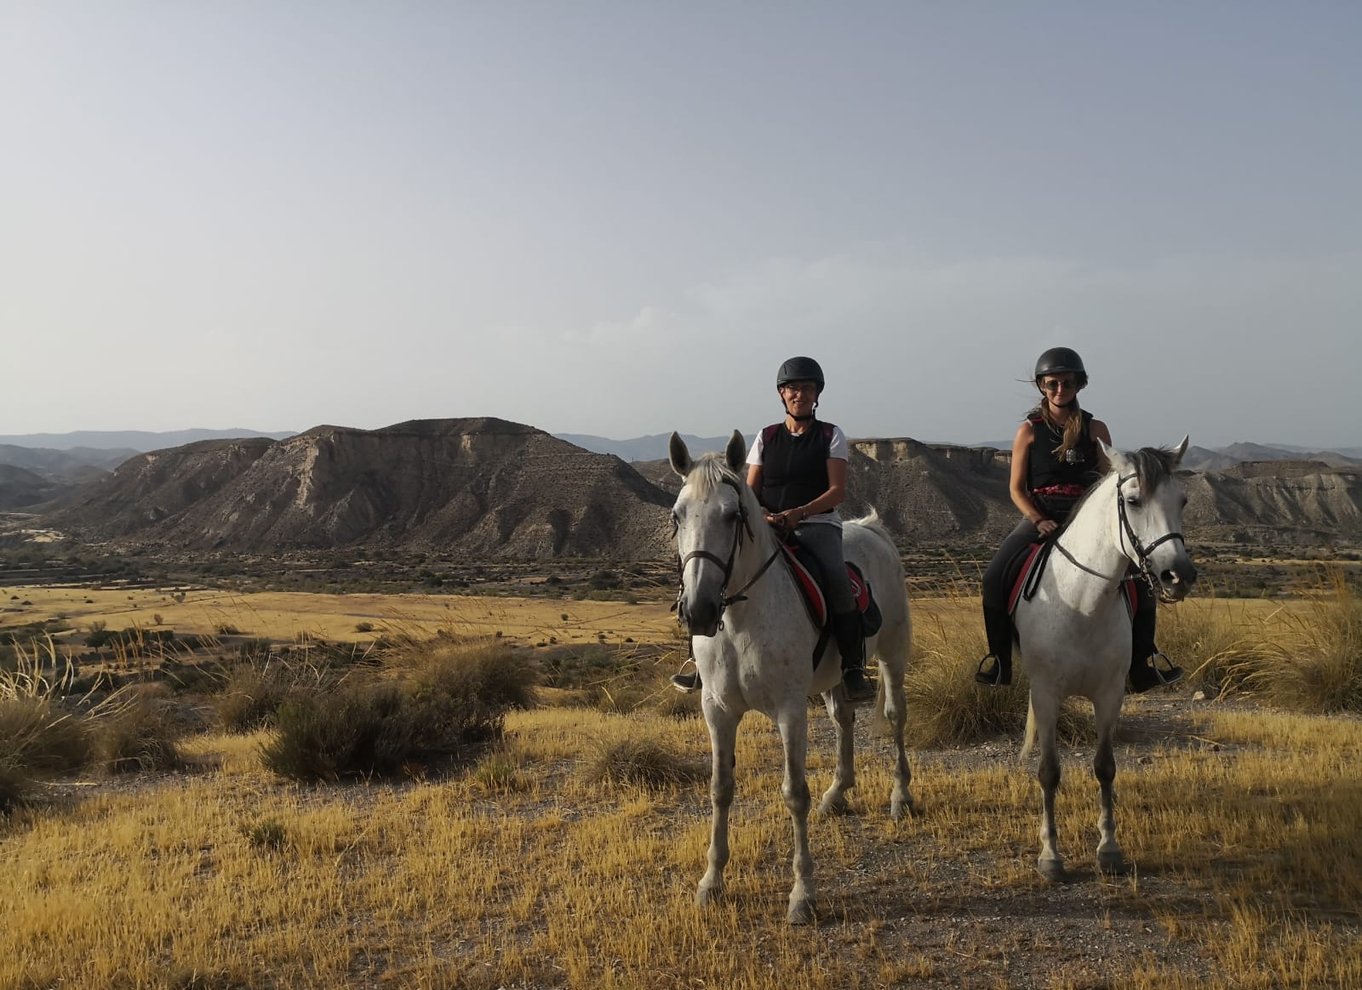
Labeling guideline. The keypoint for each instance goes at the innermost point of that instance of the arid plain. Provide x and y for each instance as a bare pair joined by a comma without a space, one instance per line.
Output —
538,865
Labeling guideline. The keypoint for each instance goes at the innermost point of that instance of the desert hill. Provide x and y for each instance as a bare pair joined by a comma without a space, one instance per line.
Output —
21,488
486,487
492,489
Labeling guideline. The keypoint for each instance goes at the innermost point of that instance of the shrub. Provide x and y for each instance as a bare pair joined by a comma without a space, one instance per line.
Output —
580,666
136,734
252,696
1316,665
40,739
352,730
16,785
438,701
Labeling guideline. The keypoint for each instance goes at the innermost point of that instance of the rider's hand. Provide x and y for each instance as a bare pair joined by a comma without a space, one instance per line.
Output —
1047,526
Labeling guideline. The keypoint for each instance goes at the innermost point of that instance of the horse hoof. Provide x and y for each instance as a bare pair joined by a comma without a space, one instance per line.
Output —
1051,869
704,896
801,913
1113,864
900,808
834,804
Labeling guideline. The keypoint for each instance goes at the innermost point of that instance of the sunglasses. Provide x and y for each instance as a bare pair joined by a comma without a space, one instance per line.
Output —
1055,384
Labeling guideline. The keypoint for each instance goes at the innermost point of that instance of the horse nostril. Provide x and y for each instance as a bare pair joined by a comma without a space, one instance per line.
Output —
1183,576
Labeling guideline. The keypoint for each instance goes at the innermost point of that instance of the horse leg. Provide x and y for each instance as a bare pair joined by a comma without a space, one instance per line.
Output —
843,715
1046,714
892,701
794,733
1109,856
723,735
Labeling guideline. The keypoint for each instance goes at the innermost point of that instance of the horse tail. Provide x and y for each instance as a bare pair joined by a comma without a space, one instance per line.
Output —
872,522
1029,742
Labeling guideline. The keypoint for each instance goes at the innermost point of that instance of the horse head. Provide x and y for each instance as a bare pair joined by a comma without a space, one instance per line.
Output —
1149,504
710,520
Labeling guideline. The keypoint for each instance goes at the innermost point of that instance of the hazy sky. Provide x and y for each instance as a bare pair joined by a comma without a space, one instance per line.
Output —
618,218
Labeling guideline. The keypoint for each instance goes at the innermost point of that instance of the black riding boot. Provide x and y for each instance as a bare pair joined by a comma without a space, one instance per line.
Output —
998,629
851,644
1144,670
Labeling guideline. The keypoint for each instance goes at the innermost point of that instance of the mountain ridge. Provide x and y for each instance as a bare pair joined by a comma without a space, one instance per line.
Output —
490,488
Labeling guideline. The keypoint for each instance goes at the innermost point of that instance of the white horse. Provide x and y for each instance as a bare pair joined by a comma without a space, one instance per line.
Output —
753,645
1075,633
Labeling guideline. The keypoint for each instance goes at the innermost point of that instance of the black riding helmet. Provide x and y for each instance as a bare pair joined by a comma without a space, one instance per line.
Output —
800,369
1061,361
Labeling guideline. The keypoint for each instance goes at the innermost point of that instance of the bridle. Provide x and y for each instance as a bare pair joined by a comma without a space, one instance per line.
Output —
741,526
1142,552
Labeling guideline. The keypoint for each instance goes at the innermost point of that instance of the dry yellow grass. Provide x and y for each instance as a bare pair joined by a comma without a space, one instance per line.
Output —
1246,852
528,871
285,615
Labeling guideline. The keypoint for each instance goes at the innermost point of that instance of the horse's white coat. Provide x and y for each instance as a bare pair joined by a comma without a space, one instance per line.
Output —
755,654
1074,635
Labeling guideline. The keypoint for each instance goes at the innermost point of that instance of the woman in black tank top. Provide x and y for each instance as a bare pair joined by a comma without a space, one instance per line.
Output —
1055,459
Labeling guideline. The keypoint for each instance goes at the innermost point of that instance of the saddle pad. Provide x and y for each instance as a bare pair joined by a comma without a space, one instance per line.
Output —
1019,569
816,603
1024,571
808,587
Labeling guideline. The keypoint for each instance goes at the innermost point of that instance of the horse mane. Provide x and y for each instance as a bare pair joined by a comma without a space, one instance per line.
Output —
1153,466
709,471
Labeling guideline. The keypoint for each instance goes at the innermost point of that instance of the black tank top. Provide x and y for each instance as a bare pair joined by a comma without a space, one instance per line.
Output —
1045,469
794,469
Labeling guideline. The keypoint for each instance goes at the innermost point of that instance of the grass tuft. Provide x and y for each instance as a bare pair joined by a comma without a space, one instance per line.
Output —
1316,665
641,762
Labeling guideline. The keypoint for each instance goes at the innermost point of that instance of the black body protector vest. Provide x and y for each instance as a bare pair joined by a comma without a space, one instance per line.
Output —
794,469
1058,483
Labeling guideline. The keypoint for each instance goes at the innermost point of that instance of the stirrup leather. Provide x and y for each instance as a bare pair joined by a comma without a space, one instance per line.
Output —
1170,671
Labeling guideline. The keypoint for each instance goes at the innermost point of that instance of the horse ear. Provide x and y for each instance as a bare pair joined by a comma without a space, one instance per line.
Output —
1180,449
736,453
679,455
1118,461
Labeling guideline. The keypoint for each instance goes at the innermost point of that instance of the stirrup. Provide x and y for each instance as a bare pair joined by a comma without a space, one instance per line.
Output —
858,687
994,676
1151,676
687,683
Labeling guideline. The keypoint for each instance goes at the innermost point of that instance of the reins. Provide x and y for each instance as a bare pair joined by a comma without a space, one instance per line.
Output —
1142,552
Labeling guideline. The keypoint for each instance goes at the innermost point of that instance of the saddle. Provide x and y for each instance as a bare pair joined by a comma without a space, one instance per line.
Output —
808,577
1024,571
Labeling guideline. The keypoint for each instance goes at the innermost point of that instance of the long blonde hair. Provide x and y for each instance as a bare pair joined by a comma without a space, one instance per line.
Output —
1073,429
